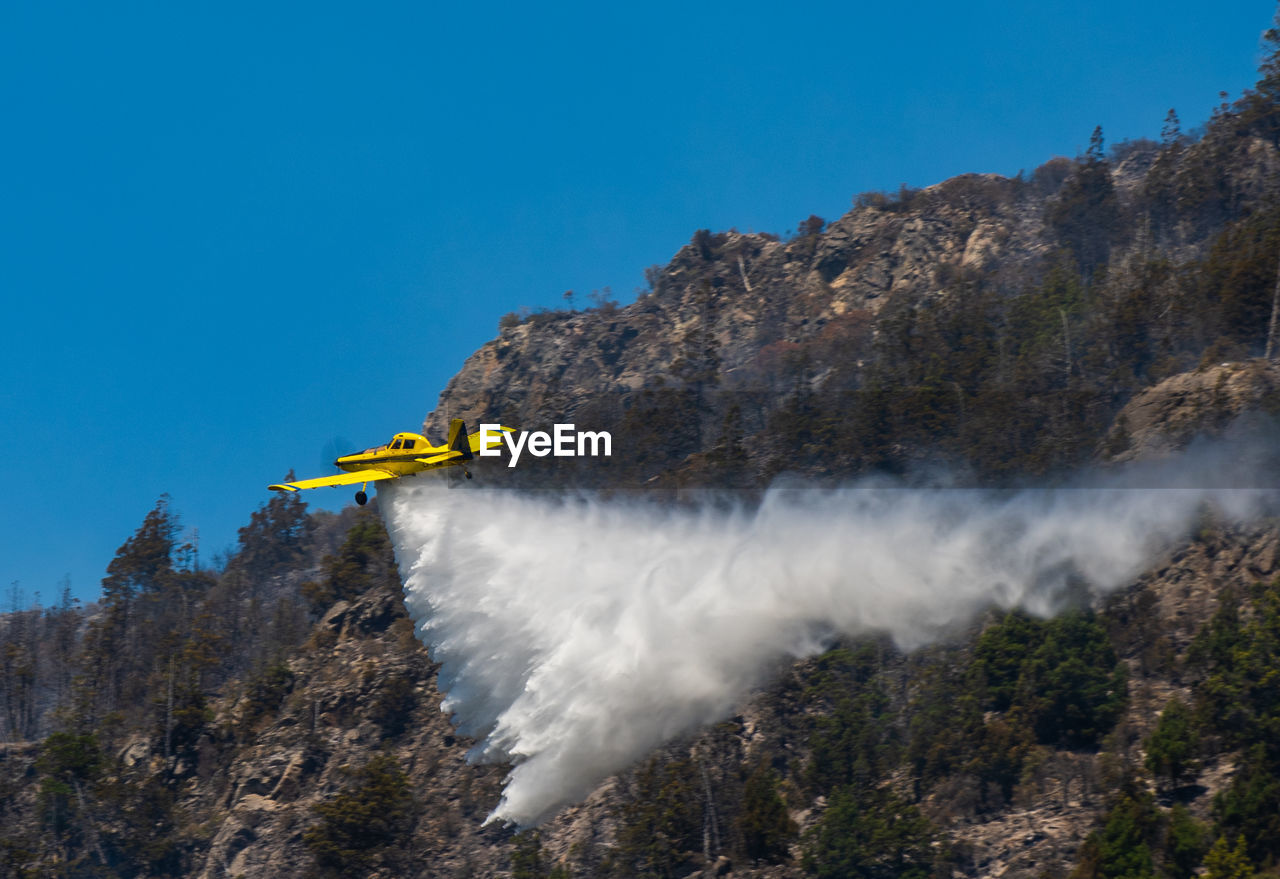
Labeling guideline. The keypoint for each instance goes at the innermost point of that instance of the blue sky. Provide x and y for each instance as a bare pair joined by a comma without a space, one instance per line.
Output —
231,234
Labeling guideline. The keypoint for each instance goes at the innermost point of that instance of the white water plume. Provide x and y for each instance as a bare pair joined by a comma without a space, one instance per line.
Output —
577,634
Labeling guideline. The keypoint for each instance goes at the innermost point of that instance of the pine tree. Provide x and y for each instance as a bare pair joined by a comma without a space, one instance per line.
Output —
361,826
365,560
1171,749
765,826
870,834
144,563
276,536
1171,131
526,856
117,659
1260,109
1228,862
1185,843
1085,217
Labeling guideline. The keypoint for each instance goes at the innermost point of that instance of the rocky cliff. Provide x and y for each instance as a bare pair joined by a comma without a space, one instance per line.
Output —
933,316
753,298
1108,308
1168,416
363,687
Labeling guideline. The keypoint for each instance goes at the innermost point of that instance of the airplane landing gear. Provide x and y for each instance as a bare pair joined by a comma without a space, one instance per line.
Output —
466,473
361,498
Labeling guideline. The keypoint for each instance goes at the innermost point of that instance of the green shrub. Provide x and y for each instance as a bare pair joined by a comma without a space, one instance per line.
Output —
766,828
360,827
1173,744
870,834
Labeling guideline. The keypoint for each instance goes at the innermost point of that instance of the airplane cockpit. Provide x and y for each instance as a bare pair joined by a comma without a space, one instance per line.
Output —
408,442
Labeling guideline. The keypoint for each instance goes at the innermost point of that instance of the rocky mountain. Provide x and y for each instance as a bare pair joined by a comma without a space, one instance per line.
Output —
753,296
843,314
1169,415
247,797
278,715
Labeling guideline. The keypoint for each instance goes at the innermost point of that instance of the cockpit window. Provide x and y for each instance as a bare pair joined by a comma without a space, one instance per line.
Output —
396,444
408,444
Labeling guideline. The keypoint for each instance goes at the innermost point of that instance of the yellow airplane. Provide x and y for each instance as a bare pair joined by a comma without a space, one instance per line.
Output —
407,453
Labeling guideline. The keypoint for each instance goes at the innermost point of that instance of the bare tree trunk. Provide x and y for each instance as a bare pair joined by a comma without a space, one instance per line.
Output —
710,826
86,823
1275,307
743,270
168,714
1066,339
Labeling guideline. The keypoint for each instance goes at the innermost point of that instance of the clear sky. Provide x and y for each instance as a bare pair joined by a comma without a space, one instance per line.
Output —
229,233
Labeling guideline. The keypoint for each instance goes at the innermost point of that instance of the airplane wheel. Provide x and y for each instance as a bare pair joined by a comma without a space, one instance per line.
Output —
467,473
361,498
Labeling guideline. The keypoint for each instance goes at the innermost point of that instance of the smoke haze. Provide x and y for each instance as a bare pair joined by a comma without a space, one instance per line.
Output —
576,635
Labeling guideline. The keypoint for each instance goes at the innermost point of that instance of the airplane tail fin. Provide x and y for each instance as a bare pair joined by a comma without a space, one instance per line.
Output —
458,438
495,442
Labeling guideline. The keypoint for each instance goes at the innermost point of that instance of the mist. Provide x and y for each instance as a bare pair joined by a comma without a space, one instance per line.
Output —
578,634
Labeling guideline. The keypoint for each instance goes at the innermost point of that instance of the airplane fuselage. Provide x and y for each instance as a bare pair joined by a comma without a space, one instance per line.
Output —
402,456
407,453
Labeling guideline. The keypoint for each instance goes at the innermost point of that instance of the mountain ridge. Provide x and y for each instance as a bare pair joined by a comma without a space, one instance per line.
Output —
745,319
280,715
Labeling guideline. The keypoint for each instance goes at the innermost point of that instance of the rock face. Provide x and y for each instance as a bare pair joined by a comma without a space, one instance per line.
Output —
1165,418
362,686
747,298
746,325
1064,795
259,796
730,310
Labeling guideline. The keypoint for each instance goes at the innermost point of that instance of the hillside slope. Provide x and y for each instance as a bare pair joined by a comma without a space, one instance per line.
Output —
278,715
957,323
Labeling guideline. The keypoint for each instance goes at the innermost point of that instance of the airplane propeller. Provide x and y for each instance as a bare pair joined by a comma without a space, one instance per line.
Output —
335,446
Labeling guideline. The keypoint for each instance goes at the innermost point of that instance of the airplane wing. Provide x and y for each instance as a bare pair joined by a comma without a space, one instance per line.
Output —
441,458
455,453
359,477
